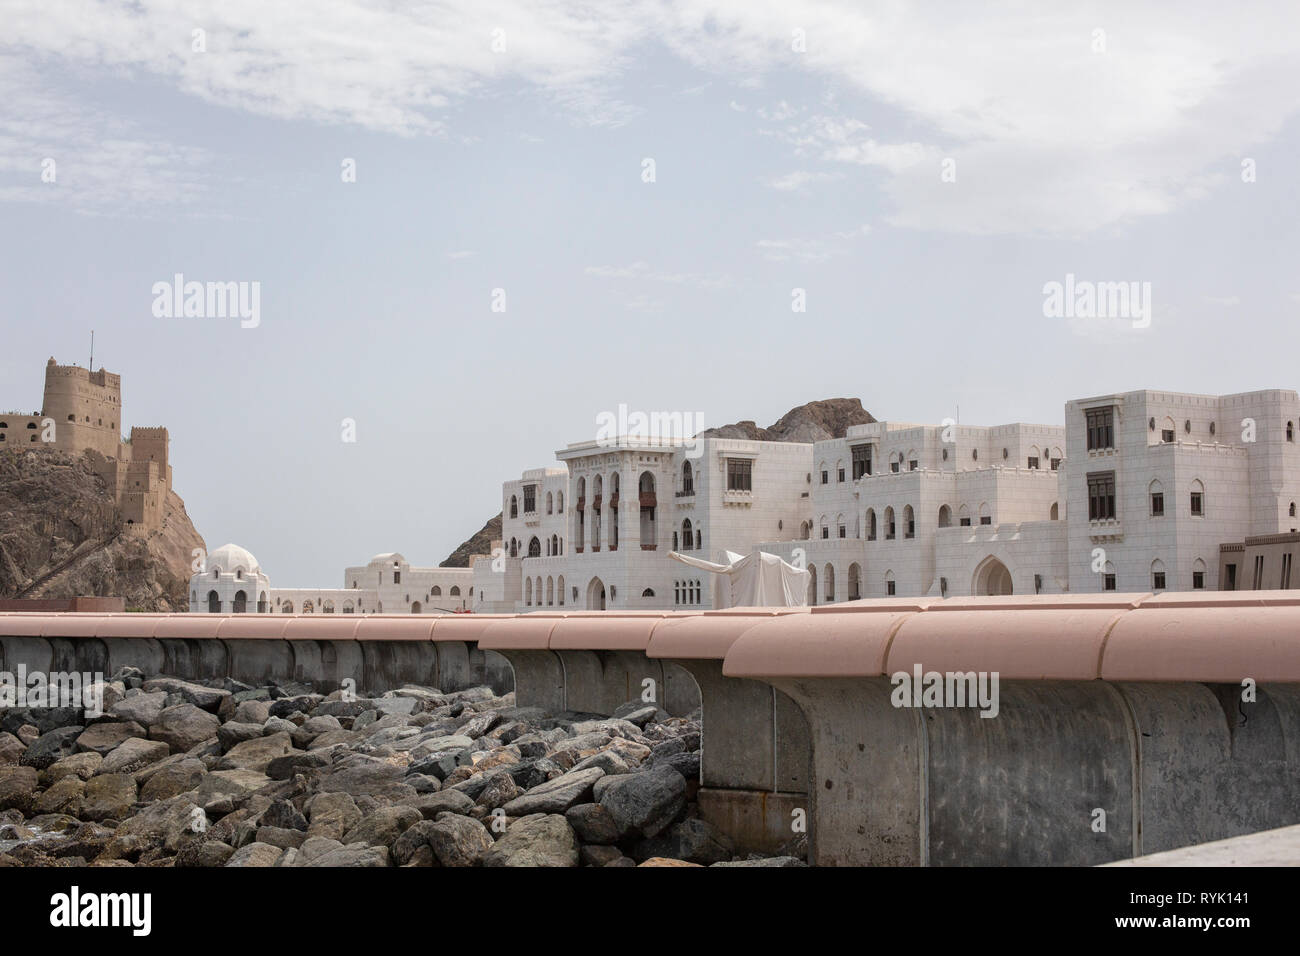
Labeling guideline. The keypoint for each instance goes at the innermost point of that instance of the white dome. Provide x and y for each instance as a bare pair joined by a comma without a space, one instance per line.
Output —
390,558
230,558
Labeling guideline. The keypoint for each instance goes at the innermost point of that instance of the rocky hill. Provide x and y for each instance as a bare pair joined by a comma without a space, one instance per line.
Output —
61,535
816,421
480,543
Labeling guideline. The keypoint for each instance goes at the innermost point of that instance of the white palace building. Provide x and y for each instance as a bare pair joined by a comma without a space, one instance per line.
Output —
1139,491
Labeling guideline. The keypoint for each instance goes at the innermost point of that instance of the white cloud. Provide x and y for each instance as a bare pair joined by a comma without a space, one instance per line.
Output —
800,179
642,271
803,250
1048,137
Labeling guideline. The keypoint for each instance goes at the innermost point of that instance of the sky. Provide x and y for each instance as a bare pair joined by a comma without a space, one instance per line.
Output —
475,227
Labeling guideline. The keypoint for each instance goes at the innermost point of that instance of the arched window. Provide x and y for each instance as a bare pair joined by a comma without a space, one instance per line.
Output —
327,607
945,516
963,517
240,604
214,603
909,522
1197,499
1157,575
550,591
286,607
699,535
555,544
550,503
688,479
528,591
1198,575
1290,431
889,523
840,528
309,608
514,507
855,582
1054,513
648,592
688,536
261,603
649,528
891,587
1291,510
559,502
675,547
1156,498
436,592
812,585
514,548
455,591
534,548
871,524
985,517
559,586
825,528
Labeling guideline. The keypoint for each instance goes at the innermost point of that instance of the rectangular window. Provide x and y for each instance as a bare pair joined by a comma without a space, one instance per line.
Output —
1101,495
530,498
1056,464
964,522
861,461
1033,461
740,473
1259,572
1101,428
911,465
889,588
826,477
1108,582
826,532
397,577
889,530
1198,580
840,474
1167,435
986,519
1198,504
1157,580
895,466
1231,583
841,531
1157,504
1038,584
911,528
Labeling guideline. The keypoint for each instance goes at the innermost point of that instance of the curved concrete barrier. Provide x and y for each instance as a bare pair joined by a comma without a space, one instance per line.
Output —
756,752
539,674
1019,729
1114,727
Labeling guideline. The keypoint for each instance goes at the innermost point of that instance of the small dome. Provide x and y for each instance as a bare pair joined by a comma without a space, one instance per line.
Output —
387,560
230,558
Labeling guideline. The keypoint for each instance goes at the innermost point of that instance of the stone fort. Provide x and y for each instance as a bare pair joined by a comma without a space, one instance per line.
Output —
81,414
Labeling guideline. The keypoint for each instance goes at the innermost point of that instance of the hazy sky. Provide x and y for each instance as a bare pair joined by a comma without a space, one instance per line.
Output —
501,145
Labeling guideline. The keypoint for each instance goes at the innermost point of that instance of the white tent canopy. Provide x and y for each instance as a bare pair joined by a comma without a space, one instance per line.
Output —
757,579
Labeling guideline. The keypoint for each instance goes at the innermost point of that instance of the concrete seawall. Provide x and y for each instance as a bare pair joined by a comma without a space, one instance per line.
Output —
1123,725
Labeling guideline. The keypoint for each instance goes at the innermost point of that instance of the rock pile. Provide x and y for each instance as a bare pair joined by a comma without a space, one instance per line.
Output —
218,773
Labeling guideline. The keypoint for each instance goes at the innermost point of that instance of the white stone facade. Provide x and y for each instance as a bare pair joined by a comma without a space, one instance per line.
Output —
1137,491
974,510
387,584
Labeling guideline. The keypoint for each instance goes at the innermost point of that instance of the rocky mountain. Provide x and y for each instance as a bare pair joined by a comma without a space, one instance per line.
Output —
480,543
61,535
815,421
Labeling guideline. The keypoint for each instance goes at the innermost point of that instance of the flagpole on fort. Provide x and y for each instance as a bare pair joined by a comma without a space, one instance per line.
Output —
92,350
